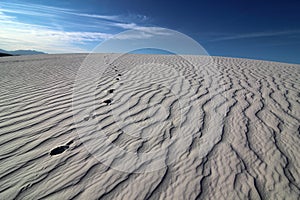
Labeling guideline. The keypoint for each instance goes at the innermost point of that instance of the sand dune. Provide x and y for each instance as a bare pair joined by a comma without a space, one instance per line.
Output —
148,127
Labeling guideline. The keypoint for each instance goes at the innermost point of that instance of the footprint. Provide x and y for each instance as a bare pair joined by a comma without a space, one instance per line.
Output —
107,101
117,79
59,150
70,142
111,91
86,118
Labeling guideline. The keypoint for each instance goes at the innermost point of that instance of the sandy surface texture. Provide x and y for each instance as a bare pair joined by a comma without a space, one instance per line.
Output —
148,127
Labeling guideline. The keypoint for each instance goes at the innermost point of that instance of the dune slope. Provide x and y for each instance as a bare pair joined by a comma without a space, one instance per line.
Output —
155,127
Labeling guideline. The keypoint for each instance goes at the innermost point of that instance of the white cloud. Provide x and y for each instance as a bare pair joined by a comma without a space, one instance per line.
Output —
49,11
147,30
33,7
17,35
256,35
105,17
26,12
52,38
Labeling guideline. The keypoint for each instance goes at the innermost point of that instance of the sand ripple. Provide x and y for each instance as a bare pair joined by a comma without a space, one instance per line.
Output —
151,127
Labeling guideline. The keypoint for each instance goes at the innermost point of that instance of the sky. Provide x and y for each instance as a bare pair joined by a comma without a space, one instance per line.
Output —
264,30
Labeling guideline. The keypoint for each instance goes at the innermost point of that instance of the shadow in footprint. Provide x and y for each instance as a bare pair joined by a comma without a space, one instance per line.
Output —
70,142
59,150
86,118
117,79
119,74
110,91
107,101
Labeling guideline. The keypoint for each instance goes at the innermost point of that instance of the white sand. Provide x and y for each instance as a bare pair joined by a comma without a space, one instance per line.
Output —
173,129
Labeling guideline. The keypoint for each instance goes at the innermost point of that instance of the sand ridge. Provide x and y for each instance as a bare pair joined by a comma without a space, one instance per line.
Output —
227,130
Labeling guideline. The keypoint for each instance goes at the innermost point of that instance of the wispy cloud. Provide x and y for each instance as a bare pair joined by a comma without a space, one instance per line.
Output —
52,38
26,36
49,11
25,12
143,29
105,17
256,35
18,35
31,9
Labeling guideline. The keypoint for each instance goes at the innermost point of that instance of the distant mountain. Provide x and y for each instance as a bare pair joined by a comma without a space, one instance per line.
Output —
5,54
21,52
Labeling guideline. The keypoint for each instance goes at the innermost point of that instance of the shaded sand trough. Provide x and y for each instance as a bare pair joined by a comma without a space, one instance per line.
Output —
240,122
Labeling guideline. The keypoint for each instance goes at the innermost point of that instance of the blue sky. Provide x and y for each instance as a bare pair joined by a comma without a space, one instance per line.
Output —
268,30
